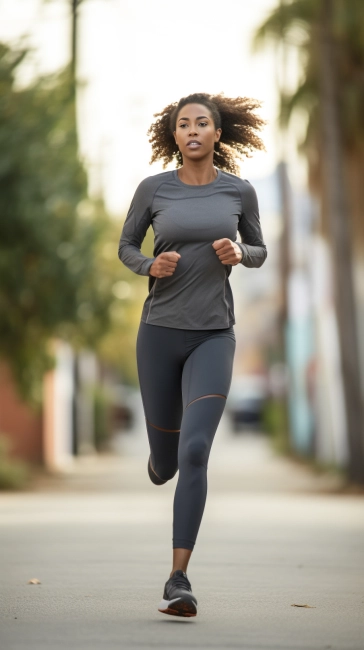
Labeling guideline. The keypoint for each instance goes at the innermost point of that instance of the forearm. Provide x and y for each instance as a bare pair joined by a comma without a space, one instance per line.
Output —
134,259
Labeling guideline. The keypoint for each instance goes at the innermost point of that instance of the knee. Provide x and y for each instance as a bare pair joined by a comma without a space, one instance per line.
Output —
195,453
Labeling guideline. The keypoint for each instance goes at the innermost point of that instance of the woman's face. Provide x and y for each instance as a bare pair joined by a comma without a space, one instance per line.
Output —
195,132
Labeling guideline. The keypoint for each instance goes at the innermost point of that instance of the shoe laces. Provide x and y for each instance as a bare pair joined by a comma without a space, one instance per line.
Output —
180,580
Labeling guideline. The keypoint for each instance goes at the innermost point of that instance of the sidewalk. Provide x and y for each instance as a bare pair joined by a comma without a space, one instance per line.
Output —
274,535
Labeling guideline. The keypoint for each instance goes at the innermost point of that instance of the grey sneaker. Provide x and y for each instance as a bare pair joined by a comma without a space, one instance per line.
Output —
178,599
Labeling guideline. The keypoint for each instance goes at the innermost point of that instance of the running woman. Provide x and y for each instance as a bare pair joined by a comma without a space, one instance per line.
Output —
186,342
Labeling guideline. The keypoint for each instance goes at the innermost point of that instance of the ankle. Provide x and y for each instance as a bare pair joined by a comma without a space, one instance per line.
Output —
177,568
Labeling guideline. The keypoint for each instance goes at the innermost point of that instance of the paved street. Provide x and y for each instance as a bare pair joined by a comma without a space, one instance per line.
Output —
98,538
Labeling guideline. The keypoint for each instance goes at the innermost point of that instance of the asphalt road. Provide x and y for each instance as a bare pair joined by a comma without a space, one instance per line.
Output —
98,538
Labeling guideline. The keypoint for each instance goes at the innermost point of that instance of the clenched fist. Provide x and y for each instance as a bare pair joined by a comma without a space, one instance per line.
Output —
227,251
164,264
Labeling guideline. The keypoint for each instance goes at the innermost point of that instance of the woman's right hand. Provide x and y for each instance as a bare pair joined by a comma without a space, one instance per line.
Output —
164,265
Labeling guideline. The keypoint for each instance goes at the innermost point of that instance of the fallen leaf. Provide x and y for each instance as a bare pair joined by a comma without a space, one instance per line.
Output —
310,606
34,581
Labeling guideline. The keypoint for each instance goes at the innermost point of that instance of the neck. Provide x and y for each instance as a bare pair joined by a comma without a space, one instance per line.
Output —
197,172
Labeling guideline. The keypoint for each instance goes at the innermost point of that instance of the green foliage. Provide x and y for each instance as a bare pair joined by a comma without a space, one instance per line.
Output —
55,280
289,21
295,23
14,474
44,245
126,291
275,423
60,275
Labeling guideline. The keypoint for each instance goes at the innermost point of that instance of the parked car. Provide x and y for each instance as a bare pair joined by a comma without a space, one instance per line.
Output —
246,401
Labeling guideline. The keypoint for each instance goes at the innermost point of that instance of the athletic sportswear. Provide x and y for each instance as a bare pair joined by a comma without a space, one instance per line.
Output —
152,475
184,378
178,598
188,219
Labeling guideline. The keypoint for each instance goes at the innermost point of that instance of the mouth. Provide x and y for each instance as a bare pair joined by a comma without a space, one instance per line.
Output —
193,144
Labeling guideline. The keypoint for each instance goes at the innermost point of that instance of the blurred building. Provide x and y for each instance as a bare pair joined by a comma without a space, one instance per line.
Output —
63,426
19,423
295,309
316,396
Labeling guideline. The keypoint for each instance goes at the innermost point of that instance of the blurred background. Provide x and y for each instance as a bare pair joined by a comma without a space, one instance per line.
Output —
80,81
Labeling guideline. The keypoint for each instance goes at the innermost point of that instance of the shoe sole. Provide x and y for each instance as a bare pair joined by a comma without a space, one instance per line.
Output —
178,607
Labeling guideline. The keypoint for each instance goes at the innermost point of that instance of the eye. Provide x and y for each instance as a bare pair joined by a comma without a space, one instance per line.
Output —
203,124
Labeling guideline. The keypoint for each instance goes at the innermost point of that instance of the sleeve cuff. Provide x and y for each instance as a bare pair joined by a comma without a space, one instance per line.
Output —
242,251
146,265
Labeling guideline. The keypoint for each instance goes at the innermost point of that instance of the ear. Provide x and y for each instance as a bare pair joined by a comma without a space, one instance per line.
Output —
175,137
218,134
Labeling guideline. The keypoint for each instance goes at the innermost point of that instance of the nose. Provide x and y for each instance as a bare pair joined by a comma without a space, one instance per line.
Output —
192,130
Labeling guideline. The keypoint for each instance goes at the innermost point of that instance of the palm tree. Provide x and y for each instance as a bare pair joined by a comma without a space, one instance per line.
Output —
328,34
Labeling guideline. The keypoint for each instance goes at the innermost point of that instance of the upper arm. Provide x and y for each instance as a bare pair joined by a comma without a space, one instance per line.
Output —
139,216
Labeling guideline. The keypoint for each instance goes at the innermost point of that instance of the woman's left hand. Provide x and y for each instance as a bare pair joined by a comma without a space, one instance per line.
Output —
227,251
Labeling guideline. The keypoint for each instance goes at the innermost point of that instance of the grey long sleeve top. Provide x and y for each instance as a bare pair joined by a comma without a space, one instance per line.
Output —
188,219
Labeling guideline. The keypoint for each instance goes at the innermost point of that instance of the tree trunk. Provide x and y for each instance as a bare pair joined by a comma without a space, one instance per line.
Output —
339,224
285,269
285,241
74,7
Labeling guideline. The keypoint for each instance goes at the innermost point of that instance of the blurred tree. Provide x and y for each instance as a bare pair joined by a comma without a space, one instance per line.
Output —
74,36
127,292
330,38
54,278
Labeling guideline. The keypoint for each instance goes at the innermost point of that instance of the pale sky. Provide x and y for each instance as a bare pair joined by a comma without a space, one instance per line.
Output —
136,56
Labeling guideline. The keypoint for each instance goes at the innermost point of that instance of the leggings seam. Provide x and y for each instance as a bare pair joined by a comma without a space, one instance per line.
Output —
160,428
204,397
153,470
168,388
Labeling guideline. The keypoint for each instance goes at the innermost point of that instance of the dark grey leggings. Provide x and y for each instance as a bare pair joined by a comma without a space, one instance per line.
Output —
185,377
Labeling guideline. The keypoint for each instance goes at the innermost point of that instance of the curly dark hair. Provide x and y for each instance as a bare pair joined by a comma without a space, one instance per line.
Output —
236,118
